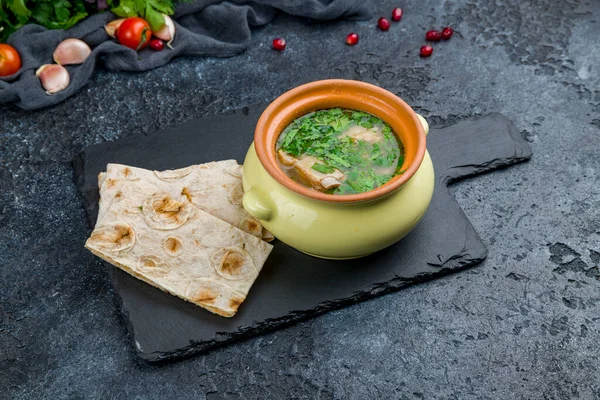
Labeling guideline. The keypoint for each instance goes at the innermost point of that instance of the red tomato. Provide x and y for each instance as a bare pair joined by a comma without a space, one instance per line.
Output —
10,61
134,33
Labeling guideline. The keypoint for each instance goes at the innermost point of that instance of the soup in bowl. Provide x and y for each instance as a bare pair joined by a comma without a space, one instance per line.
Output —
340,151
338,169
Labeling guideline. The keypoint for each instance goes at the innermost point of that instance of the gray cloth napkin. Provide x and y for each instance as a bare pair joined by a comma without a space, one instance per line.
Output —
204,28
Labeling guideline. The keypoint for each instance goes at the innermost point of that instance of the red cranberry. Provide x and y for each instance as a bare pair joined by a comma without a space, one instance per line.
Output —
433,36
383,24
397,14
157,44
279,44
352,39
426,51
447,33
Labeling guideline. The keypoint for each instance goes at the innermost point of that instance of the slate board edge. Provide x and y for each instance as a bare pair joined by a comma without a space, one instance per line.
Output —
271,325
77,164
522,152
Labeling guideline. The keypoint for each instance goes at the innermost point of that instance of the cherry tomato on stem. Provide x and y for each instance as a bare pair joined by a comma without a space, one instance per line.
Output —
134,33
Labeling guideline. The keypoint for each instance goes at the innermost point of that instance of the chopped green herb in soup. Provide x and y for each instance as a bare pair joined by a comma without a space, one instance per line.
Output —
340,151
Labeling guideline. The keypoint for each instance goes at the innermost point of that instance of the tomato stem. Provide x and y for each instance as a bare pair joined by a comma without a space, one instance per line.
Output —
144,38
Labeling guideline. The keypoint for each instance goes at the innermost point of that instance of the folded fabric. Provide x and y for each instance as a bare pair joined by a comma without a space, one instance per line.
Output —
204,28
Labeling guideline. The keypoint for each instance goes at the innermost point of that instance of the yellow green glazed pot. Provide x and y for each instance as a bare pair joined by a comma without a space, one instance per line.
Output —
338,226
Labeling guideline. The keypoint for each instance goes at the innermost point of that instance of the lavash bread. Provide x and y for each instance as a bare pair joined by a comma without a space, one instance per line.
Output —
214,187
150,226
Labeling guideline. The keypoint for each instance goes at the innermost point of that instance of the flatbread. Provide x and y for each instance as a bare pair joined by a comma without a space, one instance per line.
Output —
214,187
150,229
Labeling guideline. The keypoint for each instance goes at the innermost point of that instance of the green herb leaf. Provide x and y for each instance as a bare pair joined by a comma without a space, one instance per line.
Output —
289,137
58,15
383,179
61,10
400,160
162,6
326,169
19,8
154,18
126,9
359,115
43,14
338,160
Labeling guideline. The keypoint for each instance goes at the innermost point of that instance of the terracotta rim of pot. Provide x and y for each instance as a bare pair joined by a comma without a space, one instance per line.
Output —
348,94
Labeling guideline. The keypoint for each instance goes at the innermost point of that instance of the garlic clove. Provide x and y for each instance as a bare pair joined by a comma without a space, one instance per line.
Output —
54,77
112,26
167,32
71,51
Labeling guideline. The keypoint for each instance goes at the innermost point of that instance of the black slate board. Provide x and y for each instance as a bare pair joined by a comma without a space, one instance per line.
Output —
292,285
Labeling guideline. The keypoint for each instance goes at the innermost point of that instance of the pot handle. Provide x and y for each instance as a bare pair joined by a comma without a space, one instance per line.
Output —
424,123
258,205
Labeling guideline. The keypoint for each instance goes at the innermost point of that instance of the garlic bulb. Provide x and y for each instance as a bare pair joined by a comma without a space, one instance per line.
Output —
71,51
54,77
167,32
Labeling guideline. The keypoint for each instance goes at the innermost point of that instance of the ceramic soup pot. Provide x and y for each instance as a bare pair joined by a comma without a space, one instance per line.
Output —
338,226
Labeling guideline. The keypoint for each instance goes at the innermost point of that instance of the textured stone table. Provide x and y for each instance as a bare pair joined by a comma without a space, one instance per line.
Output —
525,324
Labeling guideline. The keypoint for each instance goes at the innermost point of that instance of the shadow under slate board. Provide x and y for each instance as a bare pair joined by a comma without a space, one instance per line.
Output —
293,286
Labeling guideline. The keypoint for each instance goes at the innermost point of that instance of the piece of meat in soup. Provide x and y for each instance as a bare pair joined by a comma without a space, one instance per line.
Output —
303,166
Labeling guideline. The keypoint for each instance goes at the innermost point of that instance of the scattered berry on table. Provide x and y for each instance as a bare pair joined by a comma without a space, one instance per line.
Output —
383,24
426,51
433,36
279,44
447,33
352,39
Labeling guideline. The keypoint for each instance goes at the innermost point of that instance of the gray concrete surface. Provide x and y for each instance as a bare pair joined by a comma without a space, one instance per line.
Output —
523,325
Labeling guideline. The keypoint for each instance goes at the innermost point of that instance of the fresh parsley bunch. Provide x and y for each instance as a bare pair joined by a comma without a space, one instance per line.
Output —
63,14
